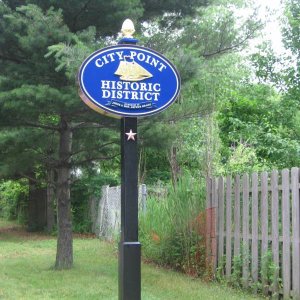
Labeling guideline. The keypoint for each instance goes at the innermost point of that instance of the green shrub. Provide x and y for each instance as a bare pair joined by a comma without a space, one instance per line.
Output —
169,231
89,185
13,200
237,271
268,271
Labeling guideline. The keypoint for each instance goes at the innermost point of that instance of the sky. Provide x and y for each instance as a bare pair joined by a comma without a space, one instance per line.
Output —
271,11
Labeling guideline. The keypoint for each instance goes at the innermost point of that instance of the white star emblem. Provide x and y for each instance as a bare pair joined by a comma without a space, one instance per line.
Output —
130,135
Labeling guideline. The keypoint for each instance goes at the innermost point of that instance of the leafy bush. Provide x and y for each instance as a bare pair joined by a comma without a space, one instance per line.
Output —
170,230
13,200
82,190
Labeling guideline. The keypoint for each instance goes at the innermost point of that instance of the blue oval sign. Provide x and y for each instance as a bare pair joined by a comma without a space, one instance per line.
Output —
127,80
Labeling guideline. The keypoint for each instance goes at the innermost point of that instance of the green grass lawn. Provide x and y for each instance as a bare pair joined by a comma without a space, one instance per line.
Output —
26,272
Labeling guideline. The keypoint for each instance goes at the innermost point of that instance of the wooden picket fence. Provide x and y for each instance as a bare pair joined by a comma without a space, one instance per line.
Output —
256,218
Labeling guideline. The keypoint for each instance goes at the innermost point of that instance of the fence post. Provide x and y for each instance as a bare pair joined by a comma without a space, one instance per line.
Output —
215,223
208,224
264,224
228,227
211,223
101,207
286,225
254,223
245,230
144,198
296,232
220,217
275,230
237,216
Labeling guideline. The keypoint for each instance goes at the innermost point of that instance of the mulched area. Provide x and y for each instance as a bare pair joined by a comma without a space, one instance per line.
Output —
21,232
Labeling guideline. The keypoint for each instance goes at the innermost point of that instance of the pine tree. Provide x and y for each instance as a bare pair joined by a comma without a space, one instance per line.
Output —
35,95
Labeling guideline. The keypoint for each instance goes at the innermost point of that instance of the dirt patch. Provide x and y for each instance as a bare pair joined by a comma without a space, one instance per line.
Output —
21,232
84,235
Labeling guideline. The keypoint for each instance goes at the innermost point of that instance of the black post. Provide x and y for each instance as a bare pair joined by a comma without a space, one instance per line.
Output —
129,247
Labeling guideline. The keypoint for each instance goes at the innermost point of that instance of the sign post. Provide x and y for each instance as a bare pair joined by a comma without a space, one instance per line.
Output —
129,247
127,81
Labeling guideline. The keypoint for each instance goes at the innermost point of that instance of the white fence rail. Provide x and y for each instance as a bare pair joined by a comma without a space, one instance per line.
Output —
106,216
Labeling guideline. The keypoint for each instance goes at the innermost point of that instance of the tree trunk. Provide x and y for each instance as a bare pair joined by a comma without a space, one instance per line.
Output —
64,255
50,200
211,143
175,168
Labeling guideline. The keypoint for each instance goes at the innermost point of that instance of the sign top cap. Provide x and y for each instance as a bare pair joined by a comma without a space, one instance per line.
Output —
128,28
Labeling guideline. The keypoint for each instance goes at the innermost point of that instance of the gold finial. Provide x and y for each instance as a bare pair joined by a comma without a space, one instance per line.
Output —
128,28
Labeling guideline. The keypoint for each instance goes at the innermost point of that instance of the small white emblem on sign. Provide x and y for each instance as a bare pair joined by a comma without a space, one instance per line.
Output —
130,135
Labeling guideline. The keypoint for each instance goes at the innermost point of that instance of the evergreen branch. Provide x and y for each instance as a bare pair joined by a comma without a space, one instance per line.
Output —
19,175
79,112
87,125
75,126
28,177
95,158
13,59
84,7
92,126
43,126
96,148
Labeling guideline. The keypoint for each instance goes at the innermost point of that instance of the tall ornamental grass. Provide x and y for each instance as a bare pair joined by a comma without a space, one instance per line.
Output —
172,229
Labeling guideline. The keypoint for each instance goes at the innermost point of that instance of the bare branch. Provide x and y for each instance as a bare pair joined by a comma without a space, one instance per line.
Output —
221,49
